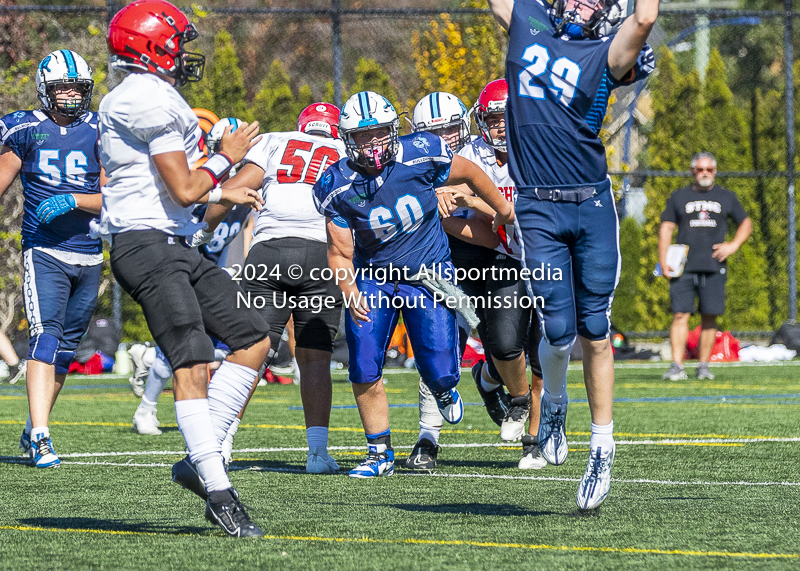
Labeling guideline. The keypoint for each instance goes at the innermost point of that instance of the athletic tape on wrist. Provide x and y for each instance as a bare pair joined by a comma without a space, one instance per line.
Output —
217,166
215,195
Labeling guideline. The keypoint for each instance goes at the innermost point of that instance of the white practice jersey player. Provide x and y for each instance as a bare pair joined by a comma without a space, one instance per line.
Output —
483,155
292,162
145,118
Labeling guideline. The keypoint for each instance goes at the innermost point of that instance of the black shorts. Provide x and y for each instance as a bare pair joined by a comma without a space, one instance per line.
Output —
709,287
315,304
185,297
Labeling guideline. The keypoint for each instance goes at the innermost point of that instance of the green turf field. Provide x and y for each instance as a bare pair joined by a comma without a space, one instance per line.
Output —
700,482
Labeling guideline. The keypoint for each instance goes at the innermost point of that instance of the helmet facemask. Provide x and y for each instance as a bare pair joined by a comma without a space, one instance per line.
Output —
455,121
576,22
373,154
73,107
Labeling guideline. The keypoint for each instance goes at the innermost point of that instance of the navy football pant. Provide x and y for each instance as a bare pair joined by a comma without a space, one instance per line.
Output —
582,240
59,301
431,328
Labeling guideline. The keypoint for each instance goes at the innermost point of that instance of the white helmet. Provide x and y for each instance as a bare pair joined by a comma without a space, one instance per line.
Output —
440,110
216,132
59,68
364,111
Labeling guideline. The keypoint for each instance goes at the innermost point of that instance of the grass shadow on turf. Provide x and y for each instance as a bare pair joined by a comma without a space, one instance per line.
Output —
502,510
88,523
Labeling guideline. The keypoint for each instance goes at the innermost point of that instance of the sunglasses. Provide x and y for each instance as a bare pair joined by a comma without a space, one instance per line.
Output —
712,169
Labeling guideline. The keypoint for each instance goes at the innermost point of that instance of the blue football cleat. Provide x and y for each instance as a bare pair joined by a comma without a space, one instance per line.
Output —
379,462
25,443
450,405
42,453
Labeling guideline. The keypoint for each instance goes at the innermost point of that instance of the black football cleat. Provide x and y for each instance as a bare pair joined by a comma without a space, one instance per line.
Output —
228,512
496,401
184,473
423,456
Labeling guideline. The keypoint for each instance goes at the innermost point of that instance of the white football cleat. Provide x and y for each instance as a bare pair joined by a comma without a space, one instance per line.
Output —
320,462
552,435
596,481
519,411
532,458
450,405
145,422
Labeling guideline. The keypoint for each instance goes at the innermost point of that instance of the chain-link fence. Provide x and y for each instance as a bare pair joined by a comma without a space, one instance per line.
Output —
720,86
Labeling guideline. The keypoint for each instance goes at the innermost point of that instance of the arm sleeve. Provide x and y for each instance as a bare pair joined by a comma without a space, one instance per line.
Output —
670,214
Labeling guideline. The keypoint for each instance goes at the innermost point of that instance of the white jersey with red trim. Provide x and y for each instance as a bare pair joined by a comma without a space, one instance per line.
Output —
483,155
292,162
142,117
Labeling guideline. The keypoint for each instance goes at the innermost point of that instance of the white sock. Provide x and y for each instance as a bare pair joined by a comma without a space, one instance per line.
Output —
156,381
554,361
317,437
296,370
602,437
146,405
194,422
28,425
429,432
487,383
39,432
228,442
227,395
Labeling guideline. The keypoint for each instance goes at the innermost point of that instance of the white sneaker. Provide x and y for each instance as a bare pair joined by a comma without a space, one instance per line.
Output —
145,422
552,435
596,481
518,413
320,462
18,371
532,458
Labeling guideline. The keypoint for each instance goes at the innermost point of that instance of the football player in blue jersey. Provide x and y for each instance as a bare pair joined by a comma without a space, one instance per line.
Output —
564,58
384,240
54,150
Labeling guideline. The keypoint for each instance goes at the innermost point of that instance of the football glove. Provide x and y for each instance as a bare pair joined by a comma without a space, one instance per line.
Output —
55,206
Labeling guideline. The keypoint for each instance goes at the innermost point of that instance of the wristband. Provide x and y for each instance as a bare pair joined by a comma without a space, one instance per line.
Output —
215,194
217,166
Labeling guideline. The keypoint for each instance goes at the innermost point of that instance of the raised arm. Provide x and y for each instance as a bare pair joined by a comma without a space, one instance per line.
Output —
629,41
502,10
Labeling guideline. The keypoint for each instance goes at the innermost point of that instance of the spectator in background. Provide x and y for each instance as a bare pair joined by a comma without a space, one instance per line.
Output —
701,212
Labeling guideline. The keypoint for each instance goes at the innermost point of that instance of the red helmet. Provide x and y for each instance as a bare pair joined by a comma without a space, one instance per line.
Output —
491,100
319,118
150,35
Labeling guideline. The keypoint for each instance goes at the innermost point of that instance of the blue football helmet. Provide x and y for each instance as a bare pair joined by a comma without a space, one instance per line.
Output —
588,18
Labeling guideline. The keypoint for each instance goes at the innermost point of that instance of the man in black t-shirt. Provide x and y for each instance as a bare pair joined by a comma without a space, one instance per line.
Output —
701,212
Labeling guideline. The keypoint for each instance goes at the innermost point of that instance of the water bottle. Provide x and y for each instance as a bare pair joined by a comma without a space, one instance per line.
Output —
122,361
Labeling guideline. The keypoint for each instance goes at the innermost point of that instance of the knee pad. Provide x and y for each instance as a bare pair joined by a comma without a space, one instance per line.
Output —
161,367
595,327
43,348
556,331
63,361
